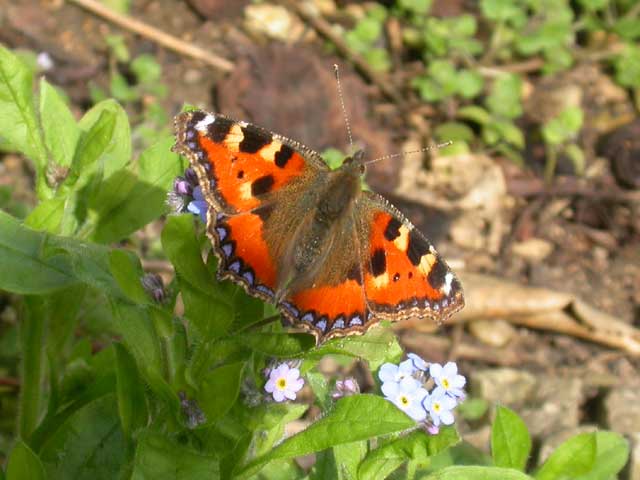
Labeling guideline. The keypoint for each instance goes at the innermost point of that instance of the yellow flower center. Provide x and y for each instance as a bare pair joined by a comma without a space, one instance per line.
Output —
436,407
404,400
281,383
445,383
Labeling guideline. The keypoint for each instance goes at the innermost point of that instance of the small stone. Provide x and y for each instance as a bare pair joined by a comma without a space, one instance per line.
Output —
622,410
553,406
496,333
504,385
533,249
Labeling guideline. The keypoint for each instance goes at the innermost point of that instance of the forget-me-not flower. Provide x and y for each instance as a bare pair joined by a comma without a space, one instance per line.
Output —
439,406
407,395
448,379
284,382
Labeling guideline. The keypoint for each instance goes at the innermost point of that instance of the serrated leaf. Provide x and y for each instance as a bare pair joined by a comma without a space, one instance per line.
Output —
510,440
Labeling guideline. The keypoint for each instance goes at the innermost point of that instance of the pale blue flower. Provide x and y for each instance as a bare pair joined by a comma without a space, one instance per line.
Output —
407,395
198,206
394,373
418,362
439,405
448,379
284,382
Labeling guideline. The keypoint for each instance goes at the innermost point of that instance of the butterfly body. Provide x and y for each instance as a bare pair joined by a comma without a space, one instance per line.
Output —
335,259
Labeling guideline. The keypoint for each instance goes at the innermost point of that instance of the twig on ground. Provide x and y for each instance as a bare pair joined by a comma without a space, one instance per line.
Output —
158,36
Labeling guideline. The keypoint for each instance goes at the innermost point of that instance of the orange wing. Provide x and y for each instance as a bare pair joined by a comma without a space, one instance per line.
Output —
404,276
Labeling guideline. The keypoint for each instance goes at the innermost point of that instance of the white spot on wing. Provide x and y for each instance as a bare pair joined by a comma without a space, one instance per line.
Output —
448,278
203,125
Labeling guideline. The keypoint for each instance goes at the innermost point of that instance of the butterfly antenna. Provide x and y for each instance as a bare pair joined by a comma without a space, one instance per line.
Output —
344,110
401,154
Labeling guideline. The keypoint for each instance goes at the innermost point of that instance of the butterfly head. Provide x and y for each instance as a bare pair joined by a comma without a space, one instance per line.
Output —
355,163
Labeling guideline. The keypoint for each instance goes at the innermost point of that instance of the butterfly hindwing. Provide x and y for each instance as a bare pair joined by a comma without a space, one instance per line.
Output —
404,276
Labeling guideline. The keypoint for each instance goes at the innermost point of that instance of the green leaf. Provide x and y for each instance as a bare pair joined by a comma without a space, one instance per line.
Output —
146,68
504,99
132,403
510,440
477,473
271,420
117,153
27,266
60,130
475,114
125,204
348,456
91,147
32,330
417,446
510,133
18,122
354,418
627,66
628,28
219,390
209,305
419,7
89,445
121,90
574,457
469,83
136,327
593,5
47,215
24,464
611,457
281,345
500,10
453,131
564,127
158,458
377,346
127,271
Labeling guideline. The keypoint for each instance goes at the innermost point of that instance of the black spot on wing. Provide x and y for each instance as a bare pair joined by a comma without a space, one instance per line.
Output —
283,156
417,247
254,139
437,274
393,229
262,185
378,262
220,128
354,273
264,211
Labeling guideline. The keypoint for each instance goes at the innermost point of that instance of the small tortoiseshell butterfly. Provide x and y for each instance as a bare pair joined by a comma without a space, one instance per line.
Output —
334,258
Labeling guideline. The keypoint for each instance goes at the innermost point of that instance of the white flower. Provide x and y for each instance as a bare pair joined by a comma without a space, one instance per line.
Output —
407,395
418,362
395,373
284,382
448,379
439,406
